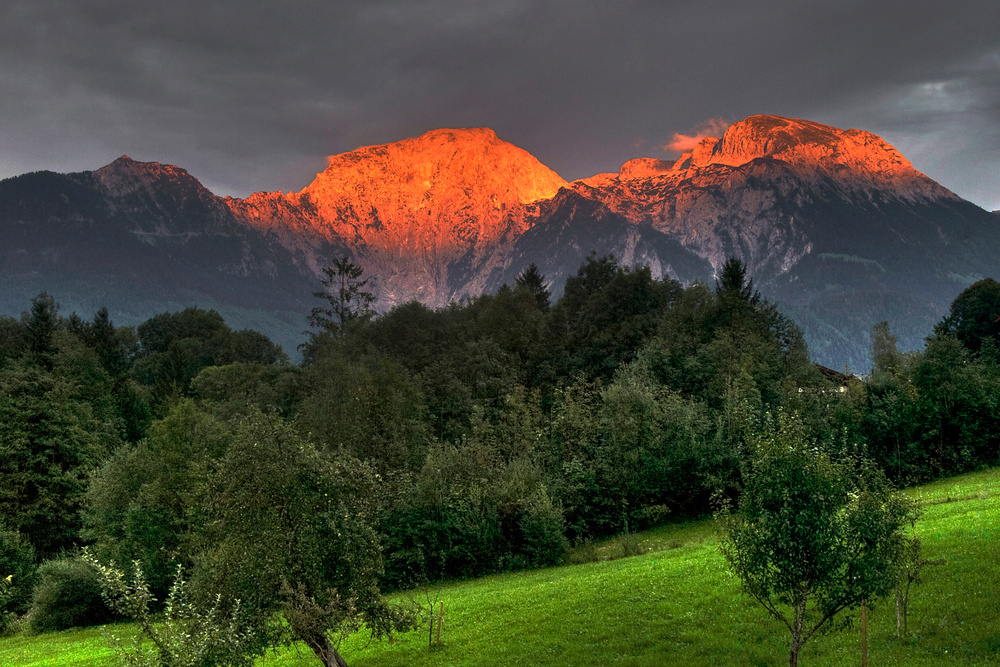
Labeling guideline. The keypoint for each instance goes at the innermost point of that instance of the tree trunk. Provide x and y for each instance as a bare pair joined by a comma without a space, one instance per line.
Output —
327,652
906,608
899,610
799,619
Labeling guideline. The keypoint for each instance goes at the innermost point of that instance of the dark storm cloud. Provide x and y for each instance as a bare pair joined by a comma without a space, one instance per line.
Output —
253,95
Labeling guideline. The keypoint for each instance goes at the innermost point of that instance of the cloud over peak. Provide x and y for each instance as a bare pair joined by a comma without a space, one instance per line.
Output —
683,143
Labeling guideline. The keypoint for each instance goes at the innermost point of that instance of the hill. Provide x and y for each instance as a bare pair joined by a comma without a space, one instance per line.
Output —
674,605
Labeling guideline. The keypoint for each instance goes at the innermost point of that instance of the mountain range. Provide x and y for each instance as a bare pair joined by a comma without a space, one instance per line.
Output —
836,226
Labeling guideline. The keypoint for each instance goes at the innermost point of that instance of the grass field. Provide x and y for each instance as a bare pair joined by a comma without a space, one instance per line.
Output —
675,605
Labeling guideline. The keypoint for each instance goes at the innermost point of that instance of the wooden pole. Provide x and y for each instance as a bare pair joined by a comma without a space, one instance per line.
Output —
864,635
440,617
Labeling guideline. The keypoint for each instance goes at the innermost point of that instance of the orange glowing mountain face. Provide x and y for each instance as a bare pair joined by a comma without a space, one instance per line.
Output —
421,212
409,209
453,187
852,156
448,187
740,184
465,173
805,145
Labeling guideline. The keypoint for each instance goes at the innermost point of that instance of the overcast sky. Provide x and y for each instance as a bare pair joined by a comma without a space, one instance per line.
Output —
250,95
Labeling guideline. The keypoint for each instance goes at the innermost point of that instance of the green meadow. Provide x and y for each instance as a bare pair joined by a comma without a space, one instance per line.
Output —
673,604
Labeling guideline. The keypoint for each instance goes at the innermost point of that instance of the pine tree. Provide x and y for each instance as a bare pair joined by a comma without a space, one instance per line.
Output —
345,292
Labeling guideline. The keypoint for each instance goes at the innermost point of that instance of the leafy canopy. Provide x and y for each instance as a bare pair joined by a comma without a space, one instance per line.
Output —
816,533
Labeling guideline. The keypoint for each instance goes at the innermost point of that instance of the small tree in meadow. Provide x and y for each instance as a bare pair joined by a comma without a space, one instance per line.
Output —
815,533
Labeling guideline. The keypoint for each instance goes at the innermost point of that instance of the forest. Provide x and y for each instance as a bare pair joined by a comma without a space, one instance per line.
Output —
421,445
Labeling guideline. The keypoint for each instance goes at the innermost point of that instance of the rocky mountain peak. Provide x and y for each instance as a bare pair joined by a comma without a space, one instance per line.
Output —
804,143
835,224
448,188
126,176
413,209
470,163
854,158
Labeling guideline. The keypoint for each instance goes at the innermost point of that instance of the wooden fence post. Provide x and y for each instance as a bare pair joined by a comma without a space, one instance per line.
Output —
864,635
440,617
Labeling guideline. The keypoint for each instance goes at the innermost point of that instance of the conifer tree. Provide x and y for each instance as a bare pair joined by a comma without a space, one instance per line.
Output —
344,291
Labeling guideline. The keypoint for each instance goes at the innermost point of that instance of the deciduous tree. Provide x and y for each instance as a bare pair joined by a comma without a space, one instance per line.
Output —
289,529
975,315
816,532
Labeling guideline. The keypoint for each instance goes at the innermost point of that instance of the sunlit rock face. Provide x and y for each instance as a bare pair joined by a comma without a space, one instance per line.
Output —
644,167
435,217
856,157
836,224
418,214
745,193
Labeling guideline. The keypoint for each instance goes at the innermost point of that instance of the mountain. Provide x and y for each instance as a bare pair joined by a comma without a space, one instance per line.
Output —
144,238
835,225
417,214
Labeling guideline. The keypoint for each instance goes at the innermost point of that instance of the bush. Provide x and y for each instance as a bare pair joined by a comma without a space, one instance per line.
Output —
17,576
68,594
459,521
542,532
187,634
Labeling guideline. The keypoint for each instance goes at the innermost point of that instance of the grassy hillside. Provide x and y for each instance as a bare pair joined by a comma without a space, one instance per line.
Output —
675,605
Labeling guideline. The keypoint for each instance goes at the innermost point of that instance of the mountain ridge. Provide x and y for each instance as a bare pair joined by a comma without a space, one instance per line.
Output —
818,214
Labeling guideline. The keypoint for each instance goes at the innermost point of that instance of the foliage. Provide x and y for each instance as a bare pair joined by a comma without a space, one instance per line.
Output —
500,429
887,360
607,312
40,325
175,347
7,618
817,532
17,575
230,390
470,512
68,594
50,438
345,293
733,283
142,502
532,281
187,635
911,572
932,413
974,317
369,407
288,528
656,451
675,605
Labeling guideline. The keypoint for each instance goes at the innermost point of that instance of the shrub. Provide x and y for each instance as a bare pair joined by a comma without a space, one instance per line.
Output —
68,594
17,576
187,635
542,532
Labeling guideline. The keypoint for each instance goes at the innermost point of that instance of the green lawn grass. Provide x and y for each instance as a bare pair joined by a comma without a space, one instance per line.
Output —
676,605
